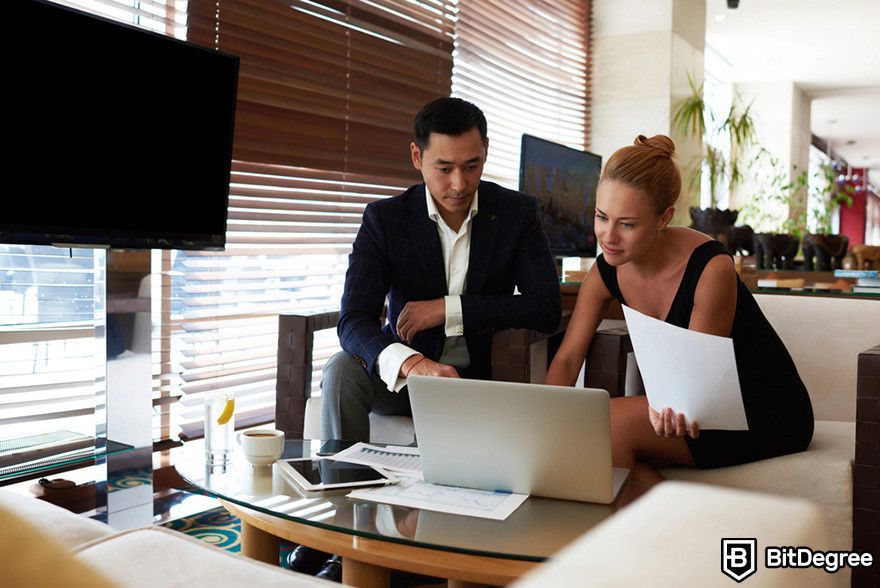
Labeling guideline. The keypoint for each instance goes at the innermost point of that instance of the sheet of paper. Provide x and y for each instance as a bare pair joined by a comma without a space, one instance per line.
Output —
690,372
393,458
415,493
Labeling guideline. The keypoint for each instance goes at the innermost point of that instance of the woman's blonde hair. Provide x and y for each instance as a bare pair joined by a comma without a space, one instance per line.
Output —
648,165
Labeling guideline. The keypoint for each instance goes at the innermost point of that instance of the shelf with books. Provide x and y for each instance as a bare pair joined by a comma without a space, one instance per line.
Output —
866,281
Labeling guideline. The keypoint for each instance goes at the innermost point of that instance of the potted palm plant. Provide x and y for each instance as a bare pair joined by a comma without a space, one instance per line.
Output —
693,117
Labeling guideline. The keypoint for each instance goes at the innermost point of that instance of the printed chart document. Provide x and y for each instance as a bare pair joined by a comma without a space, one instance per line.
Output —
692,373
393,458
415,493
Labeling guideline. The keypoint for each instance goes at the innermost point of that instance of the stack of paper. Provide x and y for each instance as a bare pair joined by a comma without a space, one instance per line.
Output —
414,492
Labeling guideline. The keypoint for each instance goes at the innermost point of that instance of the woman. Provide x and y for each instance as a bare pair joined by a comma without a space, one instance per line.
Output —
684,277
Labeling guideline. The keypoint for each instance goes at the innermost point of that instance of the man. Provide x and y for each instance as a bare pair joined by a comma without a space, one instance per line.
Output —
447,255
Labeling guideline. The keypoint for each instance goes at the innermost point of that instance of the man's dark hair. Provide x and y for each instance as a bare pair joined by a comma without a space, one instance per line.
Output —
447,116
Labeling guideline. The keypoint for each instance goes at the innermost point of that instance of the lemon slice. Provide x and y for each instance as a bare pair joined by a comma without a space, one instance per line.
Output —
228,409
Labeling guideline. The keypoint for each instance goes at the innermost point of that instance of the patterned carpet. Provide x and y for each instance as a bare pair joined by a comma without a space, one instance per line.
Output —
221,529
128,478
216,527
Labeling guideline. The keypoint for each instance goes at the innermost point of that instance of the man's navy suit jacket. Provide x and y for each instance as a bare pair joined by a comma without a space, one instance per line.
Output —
397,254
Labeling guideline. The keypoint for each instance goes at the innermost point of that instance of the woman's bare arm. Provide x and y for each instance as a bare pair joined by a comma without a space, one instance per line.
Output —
592,300
715,298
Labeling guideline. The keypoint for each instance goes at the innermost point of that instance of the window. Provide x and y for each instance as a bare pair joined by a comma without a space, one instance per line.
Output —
46,341
872,215
718,94
290,231
525,65
817,184
327,92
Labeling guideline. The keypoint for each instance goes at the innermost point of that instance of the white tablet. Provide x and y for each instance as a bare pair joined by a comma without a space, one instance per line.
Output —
324,474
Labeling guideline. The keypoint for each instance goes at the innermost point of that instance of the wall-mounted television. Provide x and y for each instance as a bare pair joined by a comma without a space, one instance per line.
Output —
564,180
115,136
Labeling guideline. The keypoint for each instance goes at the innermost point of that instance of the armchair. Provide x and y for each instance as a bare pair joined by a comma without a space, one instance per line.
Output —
518,355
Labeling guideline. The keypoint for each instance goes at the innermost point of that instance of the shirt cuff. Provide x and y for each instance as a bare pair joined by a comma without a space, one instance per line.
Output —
390,360
454,320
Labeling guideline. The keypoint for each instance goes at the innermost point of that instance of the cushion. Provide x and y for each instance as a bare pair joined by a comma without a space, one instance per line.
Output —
32,557
68,529
396,430
822,474
672,537
154,557
825,336
312,418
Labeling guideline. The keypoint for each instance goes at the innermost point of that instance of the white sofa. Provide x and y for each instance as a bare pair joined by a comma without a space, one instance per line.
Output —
672,537
42,545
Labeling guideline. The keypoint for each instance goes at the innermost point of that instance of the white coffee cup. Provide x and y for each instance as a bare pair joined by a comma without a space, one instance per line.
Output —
262,446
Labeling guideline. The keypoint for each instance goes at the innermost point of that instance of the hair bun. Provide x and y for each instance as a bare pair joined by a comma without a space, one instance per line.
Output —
661,143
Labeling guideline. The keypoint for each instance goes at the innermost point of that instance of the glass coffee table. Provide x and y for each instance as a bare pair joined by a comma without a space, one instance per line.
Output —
375,538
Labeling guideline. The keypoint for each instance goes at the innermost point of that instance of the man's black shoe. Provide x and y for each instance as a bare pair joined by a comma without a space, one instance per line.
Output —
332,570
307,560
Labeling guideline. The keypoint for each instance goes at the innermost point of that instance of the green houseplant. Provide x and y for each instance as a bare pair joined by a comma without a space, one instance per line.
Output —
768,208
826,198
779,215
829,197
778,233
694,117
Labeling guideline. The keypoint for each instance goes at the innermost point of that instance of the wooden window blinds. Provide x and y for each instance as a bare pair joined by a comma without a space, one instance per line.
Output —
526,64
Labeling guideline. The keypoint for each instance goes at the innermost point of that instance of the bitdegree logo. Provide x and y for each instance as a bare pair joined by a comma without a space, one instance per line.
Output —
738,560
804,557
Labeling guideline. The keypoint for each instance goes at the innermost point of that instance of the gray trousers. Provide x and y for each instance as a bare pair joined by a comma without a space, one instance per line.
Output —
349,393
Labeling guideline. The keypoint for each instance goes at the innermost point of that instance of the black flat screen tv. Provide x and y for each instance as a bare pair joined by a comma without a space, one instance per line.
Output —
564,180
116,136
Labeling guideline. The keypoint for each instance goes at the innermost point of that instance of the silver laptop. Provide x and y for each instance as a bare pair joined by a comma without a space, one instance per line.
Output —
548,441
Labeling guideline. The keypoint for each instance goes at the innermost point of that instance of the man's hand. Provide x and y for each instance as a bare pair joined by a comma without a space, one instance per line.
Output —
419,365
419,316
670,425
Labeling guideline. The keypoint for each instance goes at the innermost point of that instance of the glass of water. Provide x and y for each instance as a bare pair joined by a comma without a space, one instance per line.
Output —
219,427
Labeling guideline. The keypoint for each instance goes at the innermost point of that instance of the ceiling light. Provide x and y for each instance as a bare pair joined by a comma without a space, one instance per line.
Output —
863,187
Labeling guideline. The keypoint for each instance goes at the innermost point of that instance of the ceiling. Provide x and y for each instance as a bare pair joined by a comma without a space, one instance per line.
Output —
831,50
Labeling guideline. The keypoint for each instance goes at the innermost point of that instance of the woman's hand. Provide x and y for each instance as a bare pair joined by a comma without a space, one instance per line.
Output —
670,425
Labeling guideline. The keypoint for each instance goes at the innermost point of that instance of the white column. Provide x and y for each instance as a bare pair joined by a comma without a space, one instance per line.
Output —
642,55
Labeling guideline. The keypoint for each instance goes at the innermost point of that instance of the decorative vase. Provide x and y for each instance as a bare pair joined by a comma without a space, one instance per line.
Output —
712,221
829,251
775,251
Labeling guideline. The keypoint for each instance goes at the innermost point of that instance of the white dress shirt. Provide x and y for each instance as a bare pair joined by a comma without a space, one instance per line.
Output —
456,248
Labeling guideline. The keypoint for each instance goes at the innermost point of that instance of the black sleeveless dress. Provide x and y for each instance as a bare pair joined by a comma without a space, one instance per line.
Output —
777,406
